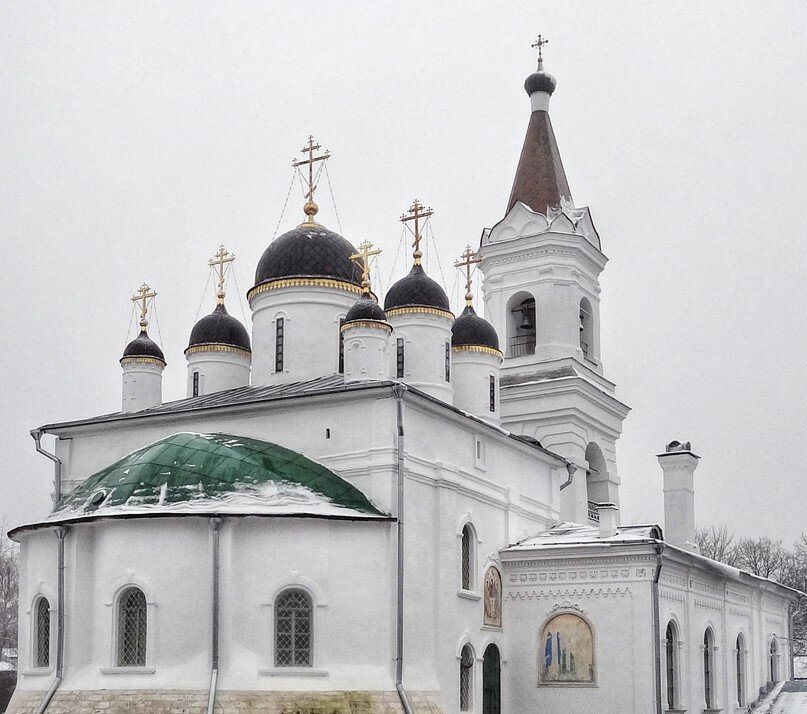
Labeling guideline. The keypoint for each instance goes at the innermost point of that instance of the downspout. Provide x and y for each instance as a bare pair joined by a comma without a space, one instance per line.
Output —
36,435
657,629
571,469
61,532
215,525
399,390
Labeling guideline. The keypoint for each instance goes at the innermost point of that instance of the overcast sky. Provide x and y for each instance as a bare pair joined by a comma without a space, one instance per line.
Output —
136,137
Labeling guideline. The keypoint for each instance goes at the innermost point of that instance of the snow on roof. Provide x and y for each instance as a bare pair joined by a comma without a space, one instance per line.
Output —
572,534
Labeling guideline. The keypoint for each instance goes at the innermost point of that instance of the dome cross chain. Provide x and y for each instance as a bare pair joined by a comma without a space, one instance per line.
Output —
220,262
466,262
417,213
142,298
311,209
362,257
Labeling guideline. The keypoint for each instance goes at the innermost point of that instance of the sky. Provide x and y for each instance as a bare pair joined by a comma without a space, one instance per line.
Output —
137,137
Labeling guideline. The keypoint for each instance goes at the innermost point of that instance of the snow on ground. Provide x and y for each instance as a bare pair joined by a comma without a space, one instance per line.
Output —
793,699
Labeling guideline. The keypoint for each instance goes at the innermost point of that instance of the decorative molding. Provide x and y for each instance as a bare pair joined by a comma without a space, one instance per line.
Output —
706,605
366,323
522,594
217,347
134,359
280,283
419,310
478,348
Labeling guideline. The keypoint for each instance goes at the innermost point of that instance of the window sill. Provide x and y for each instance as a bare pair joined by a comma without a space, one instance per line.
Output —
37,672
293,672
128,670
712,711
468,595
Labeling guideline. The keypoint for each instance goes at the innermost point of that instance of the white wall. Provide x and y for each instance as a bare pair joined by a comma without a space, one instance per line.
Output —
218,370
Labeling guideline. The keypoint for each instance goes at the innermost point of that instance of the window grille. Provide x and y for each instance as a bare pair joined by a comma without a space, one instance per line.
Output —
740,671
280,329
293,629
466,669
341,347
466,557
42,633
448,362
400,357
707,669
195,384
132,628
492,393
670,652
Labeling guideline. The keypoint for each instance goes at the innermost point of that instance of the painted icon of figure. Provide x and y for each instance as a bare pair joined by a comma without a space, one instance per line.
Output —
548,651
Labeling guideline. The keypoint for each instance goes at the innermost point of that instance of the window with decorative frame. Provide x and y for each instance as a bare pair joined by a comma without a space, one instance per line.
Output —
132,629
280,343
42,632
195,391
492,393
467,555
466,679
448,362
671,665
708,669
399,357
739,655
294,629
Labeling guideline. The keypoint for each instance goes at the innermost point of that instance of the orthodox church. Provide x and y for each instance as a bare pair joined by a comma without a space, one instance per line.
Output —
367,508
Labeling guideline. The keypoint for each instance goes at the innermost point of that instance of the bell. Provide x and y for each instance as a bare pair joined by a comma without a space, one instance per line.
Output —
526,322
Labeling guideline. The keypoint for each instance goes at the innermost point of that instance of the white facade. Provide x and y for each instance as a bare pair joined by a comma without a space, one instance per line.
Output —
215,368
142,383
366,350
475,375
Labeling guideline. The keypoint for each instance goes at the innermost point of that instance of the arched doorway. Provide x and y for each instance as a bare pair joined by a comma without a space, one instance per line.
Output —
491,681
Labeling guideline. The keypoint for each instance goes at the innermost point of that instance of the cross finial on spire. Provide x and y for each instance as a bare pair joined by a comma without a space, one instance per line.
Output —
466,262
143,298
220,262
539,43
362,257
310,208
417,213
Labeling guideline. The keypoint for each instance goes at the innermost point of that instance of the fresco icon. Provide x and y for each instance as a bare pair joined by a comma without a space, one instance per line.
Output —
493,597
567,650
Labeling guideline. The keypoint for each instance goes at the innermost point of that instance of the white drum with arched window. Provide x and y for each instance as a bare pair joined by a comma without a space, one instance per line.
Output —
294,629
132,629
42,632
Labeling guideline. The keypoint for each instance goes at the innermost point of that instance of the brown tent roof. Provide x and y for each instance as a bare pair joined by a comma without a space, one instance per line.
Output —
540,180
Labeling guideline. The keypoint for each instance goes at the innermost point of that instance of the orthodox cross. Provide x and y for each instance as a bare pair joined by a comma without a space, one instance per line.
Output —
417,213
310,207
142,298
219,262
539,43
362,257
466,262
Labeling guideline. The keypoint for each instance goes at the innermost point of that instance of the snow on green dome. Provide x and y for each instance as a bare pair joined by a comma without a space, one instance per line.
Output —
215,473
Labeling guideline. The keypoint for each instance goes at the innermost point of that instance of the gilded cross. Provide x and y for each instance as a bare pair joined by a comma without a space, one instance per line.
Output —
466,262
417,214
220,263
310,207
539,43
362,257
142,298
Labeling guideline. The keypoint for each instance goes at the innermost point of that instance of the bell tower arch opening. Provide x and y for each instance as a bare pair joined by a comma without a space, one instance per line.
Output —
521,325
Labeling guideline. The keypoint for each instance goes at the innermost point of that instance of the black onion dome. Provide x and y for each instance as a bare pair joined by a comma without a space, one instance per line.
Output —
365,308
472,330
143,346
540,82
219,328
310,250
416,290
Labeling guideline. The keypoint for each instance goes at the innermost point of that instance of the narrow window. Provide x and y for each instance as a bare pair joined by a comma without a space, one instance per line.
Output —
132,628
670,644
42,633
466,670
492,393
586,327
400,357
740,656
293,629
467,557
195,384
707,669
341,347
448,362
773,662
279,342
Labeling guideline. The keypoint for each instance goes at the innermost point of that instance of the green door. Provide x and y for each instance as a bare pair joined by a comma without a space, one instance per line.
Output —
491,681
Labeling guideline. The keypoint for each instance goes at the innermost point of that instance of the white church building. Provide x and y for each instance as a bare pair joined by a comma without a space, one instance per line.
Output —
367,507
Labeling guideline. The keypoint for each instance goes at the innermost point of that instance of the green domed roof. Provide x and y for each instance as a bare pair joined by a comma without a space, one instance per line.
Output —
195,473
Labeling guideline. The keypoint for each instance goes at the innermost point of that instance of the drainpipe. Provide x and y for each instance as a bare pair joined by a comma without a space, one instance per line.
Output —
215,525
61,532
36,435
657,629
399,390
571,469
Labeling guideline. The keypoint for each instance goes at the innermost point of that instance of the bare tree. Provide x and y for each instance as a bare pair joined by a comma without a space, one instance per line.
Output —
9,589
763,556
717,543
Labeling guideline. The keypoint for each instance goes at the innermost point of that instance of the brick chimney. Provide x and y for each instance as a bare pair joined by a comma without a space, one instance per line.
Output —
678,462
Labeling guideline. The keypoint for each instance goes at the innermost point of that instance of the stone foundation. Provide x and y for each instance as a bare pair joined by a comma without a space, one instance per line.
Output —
110,701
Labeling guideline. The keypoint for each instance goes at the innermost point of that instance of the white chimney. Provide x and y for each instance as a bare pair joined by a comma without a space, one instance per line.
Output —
678,462
608,514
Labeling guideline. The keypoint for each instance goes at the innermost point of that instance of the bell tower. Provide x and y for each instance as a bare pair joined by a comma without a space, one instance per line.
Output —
542,263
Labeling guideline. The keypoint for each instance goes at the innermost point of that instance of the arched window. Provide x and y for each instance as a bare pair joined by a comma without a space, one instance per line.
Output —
280,344
467,556
708,669
195,387
586,328
740,670
42,633
491,681
132,628
774,661
671,664
294,629
521,325
596,480
466,679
